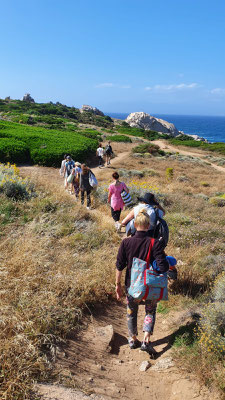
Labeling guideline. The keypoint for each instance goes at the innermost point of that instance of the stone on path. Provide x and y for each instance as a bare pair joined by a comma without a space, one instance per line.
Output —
144,366
162,364
104,335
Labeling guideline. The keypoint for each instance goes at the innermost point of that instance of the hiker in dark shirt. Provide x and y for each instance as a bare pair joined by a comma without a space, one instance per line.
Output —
108,152
138,246
85,185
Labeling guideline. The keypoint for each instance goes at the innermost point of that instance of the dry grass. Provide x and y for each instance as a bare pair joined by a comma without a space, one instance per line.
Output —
56,258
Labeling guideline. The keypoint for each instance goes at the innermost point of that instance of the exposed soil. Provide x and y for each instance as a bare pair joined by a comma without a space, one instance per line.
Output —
110,375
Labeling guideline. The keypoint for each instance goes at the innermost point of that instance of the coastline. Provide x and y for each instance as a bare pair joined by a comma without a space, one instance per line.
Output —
210,128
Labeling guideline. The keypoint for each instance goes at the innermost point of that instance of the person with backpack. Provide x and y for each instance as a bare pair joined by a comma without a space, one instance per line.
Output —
155,211
69,165
140,247
115,199
85,185
100,153
108,152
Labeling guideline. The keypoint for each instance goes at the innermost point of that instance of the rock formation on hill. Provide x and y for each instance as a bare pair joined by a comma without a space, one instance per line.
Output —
146,121
91,109
27,97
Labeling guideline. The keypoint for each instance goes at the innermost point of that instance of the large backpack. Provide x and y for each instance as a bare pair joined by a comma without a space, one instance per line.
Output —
161,228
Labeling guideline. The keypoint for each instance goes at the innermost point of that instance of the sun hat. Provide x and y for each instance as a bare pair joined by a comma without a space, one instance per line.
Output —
68,158
77,164
148,199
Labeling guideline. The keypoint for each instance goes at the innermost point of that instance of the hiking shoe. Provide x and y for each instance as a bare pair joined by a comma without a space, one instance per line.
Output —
148,348
133,344
88,208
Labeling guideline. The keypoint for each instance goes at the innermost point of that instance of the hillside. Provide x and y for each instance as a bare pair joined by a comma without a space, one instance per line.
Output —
57,269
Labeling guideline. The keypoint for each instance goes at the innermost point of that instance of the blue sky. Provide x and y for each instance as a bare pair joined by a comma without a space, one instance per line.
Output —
164,56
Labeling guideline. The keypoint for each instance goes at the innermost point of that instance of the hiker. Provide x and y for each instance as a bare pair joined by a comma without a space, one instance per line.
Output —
61,171
149,203
85,185
115,199
76,181
69,165
100,153
138,246
108,152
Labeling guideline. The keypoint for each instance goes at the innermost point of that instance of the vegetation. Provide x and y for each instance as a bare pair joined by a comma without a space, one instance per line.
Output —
150,148
147,134
187,141
119,138
43,146
35,113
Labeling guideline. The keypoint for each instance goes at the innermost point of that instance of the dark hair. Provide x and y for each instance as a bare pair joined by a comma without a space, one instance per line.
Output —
84,168
115,175
65,156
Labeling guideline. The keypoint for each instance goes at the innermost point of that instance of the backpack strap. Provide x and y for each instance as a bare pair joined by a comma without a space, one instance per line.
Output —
152,241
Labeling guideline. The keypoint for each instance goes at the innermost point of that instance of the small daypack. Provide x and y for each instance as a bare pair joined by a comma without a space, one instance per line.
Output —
147,284
161,229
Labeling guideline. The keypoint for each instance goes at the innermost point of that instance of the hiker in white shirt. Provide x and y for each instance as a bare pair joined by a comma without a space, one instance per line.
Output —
100,153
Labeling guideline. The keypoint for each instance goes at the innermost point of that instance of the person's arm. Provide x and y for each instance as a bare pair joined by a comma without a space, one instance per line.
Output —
125,188
161,208
128,218
159,255
119,292
121,263
64,172
109,195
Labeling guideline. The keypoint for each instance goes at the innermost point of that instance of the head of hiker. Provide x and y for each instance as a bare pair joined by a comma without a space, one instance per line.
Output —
149,199
115,176
84,168
142,221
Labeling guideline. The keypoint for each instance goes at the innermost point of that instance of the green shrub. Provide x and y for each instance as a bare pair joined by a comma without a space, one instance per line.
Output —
147,134
126,173
214,147
150,172
12,185
205,184
217,201
169,173
13,151
150,148
44,146
119,138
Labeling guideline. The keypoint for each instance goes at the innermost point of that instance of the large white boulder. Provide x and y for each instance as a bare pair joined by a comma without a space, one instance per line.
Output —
94,110
146,121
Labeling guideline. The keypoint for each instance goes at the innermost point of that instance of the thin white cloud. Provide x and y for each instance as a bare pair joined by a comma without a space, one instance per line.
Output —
105,85
111,85
218,91
172,87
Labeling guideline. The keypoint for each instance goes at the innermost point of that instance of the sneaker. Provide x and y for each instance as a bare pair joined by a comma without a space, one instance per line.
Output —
88,208
118,228
148,348
133,344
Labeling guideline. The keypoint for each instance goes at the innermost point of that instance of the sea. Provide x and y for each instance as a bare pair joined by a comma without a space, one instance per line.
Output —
210,128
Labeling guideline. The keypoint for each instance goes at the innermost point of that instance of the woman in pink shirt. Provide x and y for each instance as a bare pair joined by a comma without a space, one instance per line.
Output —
115,199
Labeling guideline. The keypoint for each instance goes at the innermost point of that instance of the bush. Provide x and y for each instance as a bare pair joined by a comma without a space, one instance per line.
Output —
12,185
150,148
217,201
129,173
169,173
44,146
14,151
119,138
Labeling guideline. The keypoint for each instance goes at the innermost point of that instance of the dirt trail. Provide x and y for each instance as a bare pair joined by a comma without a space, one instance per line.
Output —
165,146
115,374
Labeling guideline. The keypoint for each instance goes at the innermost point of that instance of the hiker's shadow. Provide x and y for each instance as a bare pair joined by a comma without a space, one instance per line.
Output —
118,341
168,340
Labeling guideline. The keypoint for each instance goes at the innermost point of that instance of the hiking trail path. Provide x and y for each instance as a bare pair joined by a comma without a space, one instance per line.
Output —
102,375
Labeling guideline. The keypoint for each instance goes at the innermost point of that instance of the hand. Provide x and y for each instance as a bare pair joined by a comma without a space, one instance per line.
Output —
119,292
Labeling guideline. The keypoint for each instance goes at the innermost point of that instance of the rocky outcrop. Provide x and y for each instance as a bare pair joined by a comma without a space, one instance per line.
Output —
146,121
27,97
91,109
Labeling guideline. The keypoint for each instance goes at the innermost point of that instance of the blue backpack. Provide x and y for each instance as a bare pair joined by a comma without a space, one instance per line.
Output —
146,283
